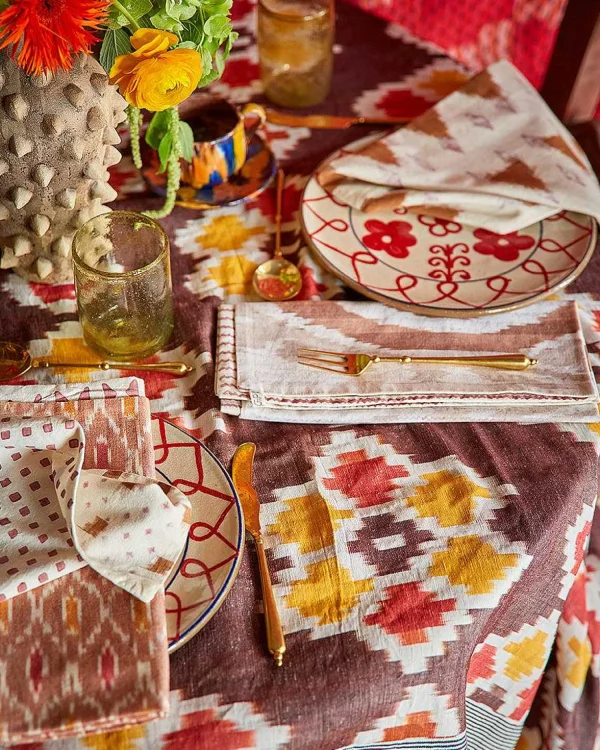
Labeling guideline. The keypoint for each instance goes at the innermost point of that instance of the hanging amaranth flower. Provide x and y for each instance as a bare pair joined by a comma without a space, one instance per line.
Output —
46,34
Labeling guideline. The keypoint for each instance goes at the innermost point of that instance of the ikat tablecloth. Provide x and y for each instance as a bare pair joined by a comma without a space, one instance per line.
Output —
425,573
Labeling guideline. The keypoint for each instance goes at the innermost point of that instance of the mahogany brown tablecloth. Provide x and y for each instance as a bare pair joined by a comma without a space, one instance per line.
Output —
421,570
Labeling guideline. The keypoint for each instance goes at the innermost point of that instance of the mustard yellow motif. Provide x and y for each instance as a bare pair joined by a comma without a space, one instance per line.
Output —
234,274
447,496
526,656
308,521
72,350
443,82
329,592
71,615
472,562
227,232
583,651
4,615
141,616
122,739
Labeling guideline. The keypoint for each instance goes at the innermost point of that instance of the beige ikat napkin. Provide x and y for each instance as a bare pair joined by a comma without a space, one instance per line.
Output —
491,154
257,375
56,517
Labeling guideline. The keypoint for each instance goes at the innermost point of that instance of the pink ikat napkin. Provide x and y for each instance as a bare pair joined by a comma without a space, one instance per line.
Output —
58,517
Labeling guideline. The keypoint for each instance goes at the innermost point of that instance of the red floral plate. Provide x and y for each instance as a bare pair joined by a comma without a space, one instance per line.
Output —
440,267
203,576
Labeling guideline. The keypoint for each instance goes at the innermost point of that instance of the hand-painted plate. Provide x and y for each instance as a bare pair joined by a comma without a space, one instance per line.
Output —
209,564
440,267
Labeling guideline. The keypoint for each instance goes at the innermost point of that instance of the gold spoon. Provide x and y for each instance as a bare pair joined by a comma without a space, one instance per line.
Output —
277,279
15,360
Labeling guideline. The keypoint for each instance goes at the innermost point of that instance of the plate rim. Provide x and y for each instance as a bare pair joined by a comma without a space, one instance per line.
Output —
417,308
225,588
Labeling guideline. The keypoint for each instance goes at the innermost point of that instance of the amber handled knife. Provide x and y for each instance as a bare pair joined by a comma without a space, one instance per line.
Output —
329,122
241,472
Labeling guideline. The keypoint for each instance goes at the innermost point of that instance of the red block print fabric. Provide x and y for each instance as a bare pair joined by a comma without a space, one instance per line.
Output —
78,654
478,33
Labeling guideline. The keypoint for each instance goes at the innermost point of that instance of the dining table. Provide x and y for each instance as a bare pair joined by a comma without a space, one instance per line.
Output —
438,584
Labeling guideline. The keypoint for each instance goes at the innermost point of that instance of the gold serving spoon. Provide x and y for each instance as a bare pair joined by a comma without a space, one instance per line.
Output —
277,279
15,360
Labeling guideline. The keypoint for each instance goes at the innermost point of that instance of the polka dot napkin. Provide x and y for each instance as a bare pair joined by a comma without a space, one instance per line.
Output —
56,517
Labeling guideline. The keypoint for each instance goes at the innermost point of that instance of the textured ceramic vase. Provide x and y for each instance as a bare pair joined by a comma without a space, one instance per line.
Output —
57,139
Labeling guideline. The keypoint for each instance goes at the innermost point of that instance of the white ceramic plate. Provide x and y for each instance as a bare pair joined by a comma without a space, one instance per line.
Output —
209,564
440,267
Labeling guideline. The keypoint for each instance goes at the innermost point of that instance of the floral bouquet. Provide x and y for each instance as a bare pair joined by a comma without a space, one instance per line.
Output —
157,52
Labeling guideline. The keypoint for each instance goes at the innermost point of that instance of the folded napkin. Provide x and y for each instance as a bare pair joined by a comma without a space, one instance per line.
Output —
60,517
257,376
491,154
79,654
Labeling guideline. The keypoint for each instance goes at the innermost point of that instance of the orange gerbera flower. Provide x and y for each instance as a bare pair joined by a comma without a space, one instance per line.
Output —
46,34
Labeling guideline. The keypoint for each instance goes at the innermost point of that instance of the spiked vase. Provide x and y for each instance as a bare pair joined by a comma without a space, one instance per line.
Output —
57,139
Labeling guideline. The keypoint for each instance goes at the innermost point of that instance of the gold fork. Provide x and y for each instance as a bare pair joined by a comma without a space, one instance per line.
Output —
356,364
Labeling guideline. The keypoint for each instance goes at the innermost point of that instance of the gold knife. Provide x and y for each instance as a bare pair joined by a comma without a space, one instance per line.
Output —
241,472
329,122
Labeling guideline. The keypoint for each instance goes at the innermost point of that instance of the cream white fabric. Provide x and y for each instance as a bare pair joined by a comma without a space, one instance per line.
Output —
492,155
258,376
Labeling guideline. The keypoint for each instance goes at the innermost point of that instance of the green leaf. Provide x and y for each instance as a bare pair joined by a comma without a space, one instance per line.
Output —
206,61
162,20
179,9
116,42
219,63
192,32
231,40
135,8
186,141
220,9
157,128
217,27
164,151
211,45
210,6
208,78
187,45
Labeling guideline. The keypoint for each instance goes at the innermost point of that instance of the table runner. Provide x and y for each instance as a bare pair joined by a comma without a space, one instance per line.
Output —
349,680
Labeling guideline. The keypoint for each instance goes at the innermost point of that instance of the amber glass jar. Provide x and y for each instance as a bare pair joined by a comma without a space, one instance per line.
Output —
295,47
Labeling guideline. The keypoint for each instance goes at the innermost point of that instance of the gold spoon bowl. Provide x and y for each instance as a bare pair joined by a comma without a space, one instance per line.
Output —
277,279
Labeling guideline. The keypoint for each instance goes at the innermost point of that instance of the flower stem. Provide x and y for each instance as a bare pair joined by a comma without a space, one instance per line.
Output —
124,12
173,169
134,117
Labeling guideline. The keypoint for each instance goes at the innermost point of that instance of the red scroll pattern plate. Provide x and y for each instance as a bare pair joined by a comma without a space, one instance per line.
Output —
440,267
209,564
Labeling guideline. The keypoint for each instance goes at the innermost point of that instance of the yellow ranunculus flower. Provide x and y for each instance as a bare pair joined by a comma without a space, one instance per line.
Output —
155,77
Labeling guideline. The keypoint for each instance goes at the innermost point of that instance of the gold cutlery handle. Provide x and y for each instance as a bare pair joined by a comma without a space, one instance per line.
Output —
275,639
496,361
173,368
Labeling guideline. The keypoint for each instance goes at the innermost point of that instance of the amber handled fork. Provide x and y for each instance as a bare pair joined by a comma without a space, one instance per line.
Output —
356,364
